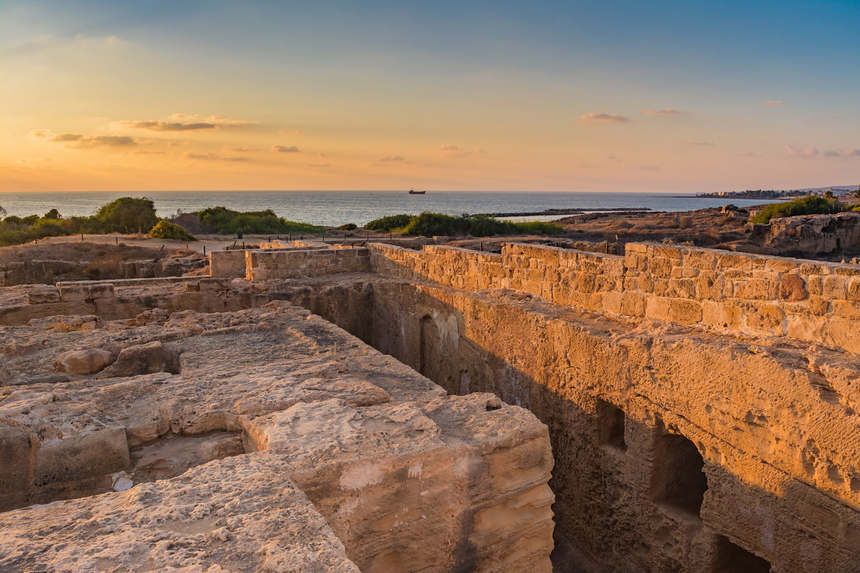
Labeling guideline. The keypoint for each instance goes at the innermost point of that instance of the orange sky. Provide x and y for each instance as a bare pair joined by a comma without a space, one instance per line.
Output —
216,95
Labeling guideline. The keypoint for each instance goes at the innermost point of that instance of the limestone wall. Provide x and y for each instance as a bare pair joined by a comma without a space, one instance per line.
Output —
227,264
124,298
632,410
266,264
721,291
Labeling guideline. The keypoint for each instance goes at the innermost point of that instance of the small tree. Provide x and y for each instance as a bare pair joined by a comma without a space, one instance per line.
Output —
127,215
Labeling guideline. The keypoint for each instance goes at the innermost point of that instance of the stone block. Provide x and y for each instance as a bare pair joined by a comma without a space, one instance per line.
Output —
86,361
665,252
853,290
685,311
764,317
735,262
755,289
805,327
685,288
94,451
660,268
74,293
101,291
780,265
42,295
636,261
15,466
633,304
792,288
846,309
709,286
657,308
635,248
700,260
819,306
684,272
834,287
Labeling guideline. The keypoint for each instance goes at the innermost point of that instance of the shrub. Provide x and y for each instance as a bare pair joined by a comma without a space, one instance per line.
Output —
809,205
228,222
538,228
127,215
388,224
432,224
348,227
171,231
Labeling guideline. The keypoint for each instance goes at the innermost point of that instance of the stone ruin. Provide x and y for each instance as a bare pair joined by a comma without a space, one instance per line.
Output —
386,409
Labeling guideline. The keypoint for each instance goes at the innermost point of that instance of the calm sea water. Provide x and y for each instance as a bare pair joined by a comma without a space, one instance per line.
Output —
334,208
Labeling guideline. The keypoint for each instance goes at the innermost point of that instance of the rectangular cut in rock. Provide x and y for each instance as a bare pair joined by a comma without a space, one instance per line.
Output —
101,291
92,453
43,295
16,479
74,293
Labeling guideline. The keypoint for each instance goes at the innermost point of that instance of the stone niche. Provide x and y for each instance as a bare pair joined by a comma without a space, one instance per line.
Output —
265,439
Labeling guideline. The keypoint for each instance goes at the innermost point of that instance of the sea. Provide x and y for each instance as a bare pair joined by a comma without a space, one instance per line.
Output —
335,208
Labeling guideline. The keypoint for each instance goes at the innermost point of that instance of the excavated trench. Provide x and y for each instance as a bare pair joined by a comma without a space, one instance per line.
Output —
601,455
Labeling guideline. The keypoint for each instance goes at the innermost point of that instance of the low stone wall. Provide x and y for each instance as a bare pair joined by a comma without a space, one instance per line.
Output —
267,264
722,291
227,264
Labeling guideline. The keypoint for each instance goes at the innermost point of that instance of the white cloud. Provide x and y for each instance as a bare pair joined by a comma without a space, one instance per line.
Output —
808,151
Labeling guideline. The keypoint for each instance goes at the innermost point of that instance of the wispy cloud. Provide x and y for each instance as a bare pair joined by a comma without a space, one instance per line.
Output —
666,112
702,143
808,151
842,152
155,125
453,151
644,168
182,122
210,157
391,158
773,103
201,156
602,118
239,149
285,149
86,141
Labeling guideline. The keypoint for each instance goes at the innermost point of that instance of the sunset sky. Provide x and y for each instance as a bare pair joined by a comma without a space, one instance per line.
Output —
617,95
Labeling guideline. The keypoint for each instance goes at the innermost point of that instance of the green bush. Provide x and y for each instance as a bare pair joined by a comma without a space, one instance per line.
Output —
809,205
388,224
171,231
127,215
436,224
538,228
229,222
348,227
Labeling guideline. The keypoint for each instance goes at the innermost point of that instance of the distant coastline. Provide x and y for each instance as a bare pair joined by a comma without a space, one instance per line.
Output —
773,194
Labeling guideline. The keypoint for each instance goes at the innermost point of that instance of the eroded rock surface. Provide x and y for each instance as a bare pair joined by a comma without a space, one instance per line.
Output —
273,399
